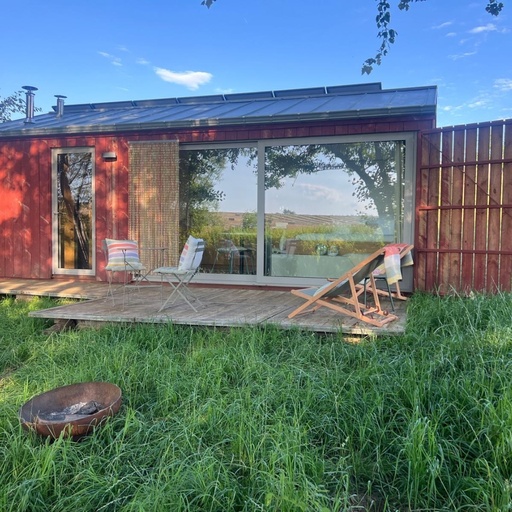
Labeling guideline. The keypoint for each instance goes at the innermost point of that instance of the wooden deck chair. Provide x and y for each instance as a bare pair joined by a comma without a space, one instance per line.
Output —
123,256
342,294
390,272
179,277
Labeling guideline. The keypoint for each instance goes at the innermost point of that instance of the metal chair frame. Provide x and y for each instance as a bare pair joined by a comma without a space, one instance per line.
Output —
179,278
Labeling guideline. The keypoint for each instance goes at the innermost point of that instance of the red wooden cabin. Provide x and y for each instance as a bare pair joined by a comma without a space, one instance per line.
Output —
303,182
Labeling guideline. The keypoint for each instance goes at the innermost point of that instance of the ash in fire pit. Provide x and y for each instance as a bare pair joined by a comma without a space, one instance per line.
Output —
72,412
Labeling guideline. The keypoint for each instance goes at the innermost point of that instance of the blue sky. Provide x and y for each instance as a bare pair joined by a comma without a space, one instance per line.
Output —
112,50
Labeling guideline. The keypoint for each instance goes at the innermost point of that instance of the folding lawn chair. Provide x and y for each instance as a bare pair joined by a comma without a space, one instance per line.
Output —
179,277
342,294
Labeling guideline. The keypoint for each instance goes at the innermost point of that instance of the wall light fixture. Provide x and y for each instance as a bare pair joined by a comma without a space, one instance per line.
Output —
109,156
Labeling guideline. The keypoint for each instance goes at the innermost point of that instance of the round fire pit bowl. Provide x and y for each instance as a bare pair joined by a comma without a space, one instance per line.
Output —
75,409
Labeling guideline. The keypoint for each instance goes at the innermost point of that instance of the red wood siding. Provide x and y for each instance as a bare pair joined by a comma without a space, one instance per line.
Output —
26,213
464,209
25,181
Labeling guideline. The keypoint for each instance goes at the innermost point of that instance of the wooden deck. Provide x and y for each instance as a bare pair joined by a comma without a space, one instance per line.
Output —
224,307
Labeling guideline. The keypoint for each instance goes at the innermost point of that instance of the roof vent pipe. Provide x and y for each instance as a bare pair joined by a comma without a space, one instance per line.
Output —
60,104
29,106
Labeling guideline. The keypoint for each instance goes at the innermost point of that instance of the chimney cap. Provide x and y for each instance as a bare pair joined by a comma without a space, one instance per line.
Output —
29,104
60,104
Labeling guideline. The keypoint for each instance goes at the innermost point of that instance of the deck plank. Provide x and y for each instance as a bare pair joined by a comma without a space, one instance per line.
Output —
224,307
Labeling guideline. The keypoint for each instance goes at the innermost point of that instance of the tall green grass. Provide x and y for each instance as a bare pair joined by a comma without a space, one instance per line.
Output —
262,419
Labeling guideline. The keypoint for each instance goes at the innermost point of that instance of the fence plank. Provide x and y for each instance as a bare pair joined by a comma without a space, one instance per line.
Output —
468,236
445,214
431,258
457,213
494,223
482,199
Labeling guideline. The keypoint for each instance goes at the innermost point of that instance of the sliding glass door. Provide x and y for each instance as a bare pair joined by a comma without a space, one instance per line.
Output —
289,211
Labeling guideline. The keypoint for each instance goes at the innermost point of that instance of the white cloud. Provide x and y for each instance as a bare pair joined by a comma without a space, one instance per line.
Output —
224,91
451,108
490,27
190,79
482,101
323,193
142,61
479,103
115,61
462,55
503,84
443,25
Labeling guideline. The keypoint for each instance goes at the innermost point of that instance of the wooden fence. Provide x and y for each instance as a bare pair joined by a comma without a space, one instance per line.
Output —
464,209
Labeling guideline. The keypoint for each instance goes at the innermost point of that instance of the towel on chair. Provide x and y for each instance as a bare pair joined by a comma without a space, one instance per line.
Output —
392,266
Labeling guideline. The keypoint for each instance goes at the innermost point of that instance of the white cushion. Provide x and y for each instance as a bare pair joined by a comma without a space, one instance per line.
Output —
188,258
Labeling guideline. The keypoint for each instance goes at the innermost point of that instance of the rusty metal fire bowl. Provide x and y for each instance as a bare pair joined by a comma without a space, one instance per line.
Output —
74,410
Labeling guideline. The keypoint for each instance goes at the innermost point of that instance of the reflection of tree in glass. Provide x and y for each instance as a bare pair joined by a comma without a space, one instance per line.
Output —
200,173
75,199
372,167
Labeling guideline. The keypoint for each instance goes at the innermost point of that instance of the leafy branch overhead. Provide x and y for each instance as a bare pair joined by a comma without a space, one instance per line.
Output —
386,33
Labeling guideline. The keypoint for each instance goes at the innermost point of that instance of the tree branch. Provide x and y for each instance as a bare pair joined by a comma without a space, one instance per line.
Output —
386,34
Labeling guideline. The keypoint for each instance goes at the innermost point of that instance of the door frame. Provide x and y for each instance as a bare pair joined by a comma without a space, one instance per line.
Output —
56,269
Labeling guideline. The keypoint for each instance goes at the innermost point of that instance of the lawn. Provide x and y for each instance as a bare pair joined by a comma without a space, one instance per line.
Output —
262,419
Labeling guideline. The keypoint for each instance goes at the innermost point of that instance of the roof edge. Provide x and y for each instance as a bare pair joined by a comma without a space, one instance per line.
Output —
241,121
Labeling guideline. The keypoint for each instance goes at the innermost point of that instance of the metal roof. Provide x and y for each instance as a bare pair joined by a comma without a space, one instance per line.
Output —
294,105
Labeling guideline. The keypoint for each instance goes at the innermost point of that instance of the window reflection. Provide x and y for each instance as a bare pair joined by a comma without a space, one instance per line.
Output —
329,205
218,199
74,209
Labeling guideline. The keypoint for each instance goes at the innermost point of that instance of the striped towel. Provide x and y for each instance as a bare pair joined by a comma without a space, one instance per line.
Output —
392,266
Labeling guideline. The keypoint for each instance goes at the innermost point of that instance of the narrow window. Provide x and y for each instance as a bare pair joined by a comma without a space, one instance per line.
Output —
73,207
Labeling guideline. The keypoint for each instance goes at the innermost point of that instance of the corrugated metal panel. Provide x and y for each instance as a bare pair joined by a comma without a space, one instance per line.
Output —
337,102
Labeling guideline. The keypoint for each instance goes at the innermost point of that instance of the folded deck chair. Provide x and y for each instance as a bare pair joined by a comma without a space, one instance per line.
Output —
122,256
179,277
342,294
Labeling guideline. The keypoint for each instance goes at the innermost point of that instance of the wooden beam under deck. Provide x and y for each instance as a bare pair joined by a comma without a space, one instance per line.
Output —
224,307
